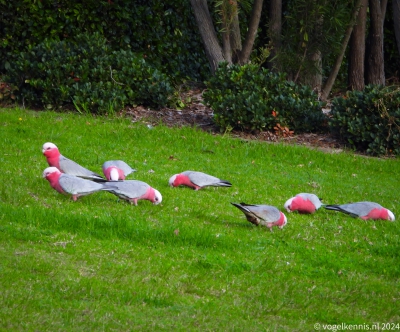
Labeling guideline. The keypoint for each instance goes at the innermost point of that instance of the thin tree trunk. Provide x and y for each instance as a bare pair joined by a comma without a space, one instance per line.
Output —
251,35
235,36
333,74
275,32
357,50
208,34
314,77
226,42
375,71
396,21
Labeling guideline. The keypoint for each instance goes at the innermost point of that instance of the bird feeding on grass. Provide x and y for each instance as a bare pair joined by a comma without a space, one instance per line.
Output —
303,203
265,215
364,210
197,180
134,190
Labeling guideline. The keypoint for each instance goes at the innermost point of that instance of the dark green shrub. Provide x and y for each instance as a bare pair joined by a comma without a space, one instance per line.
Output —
164,31
87,73
252,98
369,120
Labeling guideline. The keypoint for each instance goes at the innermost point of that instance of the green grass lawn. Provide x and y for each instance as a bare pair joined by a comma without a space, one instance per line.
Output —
192,263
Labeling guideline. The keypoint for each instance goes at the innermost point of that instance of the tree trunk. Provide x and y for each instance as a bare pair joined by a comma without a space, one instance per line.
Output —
235,36
396,21
208,34
275,32
357,50
314,79
226,42
251,35
332,76
375,71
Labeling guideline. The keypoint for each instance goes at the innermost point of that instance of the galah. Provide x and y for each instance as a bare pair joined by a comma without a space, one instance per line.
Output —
67,166
71,184
364,210
265,215
134,190
197,180
303,203
115,170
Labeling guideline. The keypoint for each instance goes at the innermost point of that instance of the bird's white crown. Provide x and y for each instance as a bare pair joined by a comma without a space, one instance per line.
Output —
172,179
287,204
50,170
158,197
48,145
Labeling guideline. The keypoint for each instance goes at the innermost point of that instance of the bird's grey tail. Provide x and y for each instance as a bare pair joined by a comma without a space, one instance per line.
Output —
335,207
237,205
240,206
224,183
332,207
93,178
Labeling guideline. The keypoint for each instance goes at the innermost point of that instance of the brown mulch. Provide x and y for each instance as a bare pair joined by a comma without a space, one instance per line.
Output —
195,113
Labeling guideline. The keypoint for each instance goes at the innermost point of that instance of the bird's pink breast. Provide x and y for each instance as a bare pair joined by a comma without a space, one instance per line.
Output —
377,214
149,195
54,178
184,180
302,205
281,220
53,157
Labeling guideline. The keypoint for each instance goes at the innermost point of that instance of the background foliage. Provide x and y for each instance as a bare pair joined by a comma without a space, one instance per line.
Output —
88,73
252,98
369,119
163,31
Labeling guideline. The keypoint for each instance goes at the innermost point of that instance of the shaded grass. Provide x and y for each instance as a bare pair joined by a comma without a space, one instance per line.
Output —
193,262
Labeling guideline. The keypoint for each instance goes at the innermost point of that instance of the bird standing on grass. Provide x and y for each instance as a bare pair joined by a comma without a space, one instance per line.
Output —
197,180
134,190
115,170
364,210
265,215
67,166
70,184
303,203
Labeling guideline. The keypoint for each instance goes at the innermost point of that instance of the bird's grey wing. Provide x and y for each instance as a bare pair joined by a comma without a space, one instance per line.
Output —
266,212
129,188
69,166
250,216
201,179
359,208
75,185
125,167
312,198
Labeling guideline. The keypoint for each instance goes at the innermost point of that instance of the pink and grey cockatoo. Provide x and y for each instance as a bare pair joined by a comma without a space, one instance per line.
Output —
364,210
197,180
70,184
265,215
303,203
67,166
115,170
134,190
